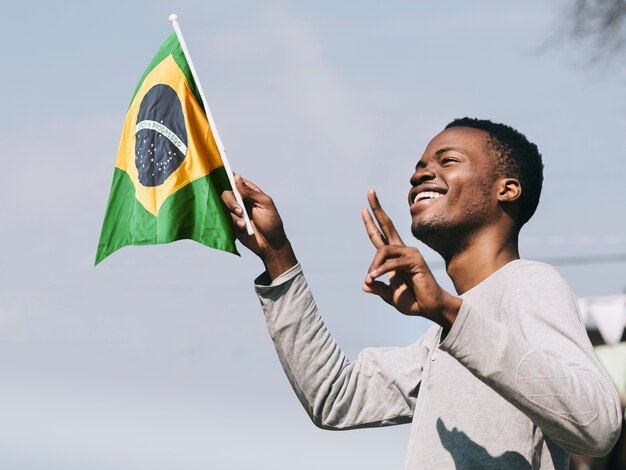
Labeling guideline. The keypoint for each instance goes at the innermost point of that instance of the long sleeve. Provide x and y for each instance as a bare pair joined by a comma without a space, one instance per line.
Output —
535,353
379,388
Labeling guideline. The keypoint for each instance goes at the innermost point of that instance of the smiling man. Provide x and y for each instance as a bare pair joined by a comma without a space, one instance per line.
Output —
505,377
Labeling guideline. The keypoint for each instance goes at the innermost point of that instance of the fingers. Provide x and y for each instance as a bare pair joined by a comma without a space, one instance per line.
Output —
412,266
376,237
378,288
385,223
251,194
229,200
382,254
240,224
248,183
236,212
392,258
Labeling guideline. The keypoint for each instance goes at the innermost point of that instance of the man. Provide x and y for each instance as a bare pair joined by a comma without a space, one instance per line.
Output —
506,377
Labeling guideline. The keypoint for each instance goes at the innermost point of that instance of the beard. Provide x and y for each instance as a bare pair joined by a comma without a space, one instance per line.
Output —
450,235
439,235
432,228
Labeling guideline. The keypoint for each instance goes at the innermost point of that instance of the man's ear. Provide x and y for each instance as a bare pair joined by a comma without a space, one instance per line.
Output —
509,189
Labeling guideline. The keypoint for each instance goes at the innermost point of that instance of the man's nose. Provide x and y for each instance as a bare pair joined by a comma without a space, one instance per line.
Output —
422,174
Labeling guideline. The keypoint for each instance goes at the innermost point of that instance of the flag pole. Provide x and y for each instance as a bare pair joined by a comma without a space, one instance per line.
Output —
220,146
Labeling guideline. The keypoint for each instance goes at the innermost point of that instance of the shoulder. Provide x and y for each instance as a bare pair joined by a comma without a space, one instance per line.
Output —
538,277
528,266
519,278
536,292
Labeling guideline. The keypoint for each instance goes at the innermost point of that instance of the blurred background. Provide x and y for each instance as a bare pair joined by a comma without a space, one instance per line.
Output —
159,357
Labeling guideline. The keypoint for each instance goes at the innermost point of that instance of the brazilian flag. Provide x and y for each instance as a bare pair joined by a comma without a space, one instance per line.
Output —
169,173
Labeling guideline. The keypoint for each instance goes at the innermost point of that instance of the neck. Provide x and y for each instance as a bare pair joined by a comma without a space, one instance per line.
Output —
477,259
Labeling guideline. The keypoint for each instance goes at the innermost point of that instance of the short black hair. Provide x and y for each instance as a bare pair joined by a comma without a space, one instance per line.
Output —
514,156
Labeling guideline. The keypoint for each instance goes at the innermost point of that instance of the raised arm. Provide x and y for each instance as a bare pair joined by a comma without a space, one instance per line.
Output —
379,388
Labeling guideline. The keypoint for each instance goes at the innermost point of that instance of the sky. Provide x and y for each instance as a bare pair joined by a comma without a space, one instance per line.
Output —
159,358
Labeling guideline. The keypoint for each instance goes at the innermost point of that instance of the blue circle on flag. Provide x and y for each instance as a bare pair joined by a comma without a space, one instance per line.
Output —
160,136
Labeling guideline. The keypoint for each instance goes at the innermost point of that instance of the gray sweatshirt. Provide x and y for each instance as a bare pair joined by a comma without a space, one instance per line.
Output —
515,384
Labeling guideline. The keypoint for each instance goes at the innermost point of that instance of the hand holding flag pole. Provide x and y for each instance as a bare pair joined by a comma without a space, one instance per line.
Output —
218,141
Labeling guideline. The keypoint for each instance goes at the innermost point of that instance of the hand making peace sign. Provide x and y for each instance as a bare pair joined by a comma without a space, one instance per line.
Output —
412,288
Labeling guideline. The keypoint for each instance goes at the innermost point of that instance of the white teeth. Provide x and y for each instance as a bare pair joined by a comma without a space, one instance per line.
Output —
426,195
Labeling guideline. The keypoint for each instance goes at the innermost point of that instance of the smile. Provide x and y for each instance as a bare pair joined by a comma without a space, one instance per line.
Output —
426,195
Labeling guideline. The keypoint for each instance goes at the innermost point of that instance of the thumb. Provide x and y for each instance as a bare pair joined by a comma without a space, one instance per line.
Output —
243,188
249,191
378,288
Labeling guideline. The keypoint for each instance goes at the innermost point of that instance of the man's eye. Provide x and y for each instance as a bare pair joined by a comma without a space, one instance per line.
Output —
448,160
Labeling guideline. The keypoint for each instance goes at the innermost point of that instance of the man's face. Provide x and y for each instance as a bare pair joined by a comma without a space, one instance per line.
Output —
453,186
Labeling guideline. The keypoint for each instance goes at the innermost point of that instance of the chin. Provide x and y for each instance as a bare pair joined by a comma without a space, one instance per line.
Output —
445,238
428,232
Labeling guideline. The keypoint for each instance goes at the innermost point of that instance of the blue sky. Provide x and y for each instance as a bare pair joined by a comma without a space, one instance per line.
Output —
159,357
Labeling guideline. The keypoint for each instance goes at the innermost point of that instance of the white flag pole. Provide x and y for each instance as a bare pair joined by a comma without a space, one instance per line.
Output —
220,146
